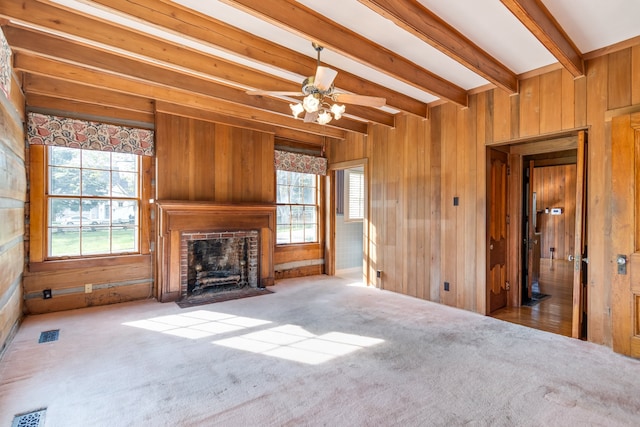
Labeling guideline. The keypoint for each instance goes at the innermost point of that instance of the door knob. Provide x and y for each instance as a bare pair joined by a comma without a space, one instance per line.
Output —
571,258
621,260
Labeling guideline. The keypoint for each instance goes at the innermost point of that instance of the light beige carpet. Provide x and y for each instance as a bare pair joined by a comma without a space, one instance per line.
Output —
319,351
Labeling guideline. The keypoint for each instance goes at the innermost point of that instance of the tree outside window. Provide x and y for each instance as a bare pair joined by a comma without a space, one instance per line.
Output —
297,207
93,201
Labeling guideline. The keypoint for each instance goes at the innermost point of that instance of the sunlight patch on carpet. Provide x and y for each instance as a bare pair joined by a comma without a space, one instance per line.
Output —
291,342
197,324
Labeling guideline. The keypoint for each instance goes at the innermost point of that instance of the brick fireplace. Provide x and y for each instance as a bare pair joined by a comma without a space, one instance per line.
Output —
246,232
218,261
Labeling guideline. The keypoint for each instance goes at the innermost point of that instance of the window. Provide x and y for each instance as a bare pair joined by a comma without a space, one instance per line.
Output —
92,202
354,195
297,207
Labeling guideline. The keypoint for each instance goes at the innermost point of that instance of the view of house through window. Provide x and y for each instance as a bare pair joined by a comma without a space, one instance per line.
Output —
297,214
92,202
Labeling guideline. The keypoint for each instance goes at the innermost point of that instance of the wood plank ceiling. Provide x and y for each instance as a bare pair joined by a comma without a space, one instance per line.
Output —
126,59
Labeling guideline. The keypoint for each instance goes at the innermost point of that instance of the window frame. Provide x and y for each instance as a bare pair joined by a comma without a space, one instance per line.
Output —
318,215
348,217
49,227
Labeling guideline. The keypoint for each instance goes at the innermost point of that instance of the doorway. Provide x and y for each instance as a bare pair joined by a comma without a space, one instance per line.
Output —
349,216
346,251
547,238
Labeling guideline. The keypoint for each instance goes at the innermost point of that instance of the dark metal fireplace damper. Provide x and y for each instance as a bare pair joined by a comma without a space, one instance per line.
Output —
217,262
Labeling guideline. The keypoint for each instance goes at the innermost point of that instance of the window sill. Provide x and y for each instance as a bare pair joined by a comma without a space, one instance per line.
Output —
279,245
76,263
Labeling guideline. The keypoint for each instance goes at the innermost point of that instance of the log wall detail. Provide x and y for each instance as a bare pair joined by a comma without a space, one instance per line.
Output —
13,193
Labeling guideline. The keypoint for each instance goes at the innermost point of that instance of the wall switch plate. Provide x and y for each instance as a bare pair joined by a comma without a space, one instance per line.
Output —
456,201
88,288
46,294
446,286
379,274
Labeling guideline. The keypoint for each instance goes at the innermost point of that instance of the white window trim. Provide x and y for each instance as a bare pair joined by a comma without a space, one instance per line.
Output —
349,214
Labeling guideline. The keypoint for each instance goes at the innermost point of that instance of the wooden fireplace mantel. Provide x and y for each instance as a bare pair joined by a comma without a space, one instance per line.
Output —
177,217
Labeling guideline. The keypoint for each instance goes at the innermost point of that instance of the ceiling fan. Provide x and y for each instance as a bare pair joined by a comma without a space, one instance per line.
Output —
317,91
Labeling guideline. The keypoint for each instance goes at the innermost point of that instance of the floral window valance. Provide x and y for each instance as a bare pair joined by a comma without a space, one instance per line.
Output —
5,65
303,163
43,129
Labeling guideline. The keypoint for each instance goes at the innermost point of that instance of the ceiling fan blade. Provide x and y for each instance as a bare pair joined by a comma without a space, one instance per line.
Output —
311,117
367,101
271,92
324,77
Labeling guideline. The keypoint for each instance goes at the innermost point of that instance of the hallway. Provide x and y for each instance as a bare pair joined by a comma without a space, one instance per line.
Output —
553,314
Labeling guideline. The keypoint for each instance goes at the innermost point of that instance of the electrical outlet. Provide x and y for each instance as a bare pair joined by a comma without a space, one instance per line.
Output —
446,286
379,274
88,288
46,294
552,249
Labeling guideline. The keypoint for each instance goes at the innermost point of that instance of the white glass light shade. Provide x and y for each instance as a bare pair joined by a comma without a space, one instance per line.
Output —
296,109
311,103
324,117
338,111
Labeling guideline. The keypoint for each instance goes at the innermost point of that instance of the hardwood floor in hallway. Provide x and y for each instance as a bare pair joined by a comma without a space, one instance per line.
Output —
553,314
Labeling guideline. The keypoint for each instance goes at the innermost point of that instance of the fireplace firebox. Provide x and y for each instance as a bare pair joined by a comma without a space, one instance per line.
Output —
219,261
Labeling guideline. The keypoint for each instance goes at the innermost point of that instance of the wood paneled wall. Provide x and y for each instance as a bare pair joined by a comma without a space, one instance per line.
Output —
13,189
419,239
205,161
555,187
200,160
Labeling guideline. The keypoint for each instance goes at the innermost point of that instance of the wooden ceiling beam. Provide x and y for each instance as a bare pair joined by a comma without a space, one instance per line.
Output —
57,18
277,131
71,91
424,24
188,23
537,18
69,72
88,110
32,41
295,17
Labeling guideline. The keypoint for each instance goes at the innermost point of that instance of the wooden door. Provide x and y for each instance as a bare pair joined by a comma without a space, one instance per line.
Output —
625,234
533,240
579,256
497,230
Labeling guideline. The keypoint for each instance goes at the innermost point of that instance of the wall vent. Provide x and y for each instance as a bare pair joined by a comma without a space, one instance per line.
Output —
49,336
30,419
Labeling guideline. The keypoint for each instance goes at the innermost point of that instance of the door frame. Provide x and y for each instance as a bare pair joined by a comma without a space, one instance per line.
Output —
518,149
330,216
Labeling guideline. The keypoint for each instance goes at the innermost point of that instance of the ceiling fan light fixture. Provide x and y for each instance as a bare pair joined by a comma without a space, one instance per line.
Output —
338,111
317,91
296,109
311,103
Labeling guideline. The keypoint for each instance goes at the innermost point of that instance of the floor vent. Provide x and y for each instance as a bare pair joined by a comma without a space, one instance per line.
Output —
30,419
48,336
